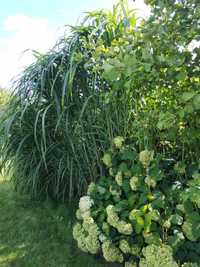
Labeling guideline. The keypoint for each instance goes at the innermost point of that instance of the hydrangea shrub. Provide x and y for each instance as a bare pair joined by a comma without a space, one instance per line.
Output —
137,214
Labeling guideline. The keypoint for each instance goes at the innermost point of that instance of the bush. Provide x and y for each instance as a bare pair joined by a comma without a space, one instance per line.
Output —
111,77
154,69
139,209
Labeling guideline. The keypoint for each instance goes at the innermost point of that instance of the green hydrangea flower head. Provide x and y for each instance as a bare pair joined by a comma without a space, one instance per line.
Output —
150,181
112,217
157,256
134,183
167,224
115,192
119,178
124,246
145,157
107,160
111,253
92,244
91,188
81,243
79,215
87,222
86,214
77,229
102,238
80,236
118,142
91,227
124,228
135,250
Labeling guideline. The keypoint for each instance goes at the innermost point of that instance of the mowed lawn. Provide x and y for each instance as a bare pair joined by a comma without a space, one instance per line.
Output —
38,234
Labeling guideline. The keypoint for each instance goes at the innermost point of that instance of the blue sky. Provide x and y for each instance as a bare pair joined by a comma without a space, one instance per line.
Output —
59,12
37,24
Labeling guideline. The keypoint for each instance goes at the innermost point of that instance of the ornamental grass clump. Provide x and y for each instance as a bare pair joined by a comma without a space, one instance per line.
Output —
137,214
59,121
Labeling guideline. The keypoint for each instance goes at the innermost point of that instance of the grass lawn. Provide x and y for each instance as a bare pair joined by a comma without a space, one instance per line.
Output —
38,234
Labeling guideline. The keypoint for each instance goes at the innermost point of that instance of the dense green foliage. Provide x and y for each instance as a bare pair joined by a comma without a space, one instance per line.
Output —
155,71
114,76
136,207
109,77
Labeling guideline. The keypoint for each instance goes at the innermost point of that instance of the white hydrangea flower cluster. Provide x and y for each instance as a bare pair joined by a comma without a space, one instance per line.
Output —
158,256
145,157
113,219
80,235
150,182
124,228
92,244
107,160
115,192
119,178
91,188
124,246
111,253
85,203
102,238
99,223
87,235
134,183
118,142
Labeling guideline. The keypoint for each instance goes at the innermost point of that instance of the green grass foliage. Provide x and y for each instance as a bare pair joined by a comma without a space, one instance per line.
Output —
38,234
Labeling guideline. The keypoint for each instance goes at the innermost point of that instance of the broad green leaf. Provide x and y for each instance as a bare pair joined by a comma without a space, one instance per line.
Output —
186,96
134,214
138,225
181,75
191,230
196,102
147,222
176,219
166,120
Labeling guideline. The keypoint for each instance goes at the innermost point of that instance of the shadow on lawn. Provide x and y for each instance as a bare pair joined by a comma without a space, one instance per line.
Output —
38,234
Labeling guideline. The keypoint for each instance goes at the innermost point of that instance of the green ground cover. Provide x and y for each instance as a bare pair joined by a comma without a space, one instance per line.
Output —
35,234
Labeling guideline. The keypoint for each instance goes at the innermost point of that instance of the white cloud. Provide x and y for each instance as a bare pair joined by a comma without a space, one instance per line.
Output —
142,10
23,33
